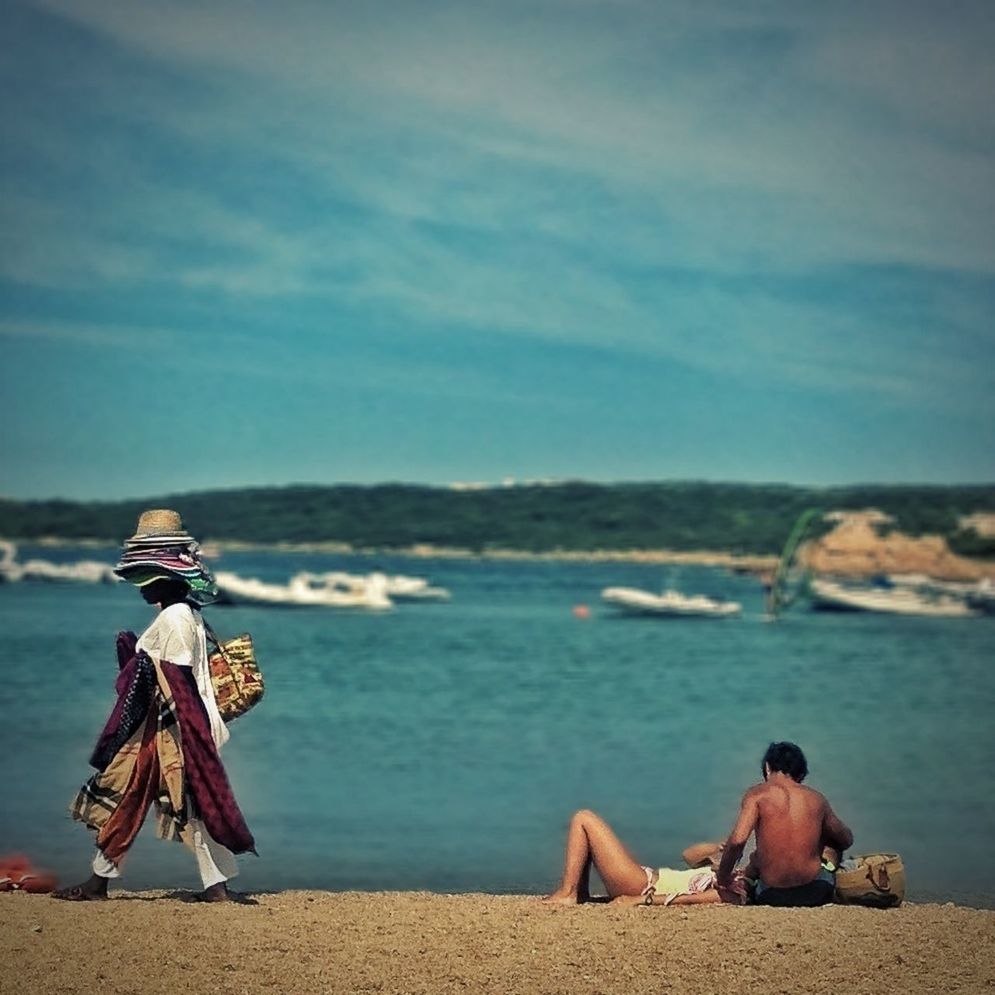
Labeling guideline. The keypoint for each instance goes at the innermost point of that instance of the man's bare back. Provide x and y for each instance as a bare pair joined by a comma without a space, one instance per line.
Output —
791,831
792,824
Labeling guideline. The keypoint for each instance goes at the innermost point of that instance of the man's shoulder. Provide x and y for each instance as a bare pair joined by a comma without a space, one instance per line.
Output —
813,793
755,791
766,789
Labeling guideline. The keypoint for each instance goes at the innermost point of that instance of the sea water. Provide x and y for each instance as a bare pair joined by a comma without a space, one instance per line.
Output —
444,746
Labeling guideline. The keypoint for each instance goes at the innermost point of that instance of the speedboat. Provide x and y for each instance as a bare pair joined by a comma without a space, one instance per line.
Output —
301,591
398,587
831,595
982,596
669,604
402,588
82,571
979,595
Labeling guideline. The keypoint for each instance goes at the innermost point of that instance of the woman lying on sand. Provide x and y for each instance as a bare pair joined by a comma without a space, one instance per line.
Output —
591,840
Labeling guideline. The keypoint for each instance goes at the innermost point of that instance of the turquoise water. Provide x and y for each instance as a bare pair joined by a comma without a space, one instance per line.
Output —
444,746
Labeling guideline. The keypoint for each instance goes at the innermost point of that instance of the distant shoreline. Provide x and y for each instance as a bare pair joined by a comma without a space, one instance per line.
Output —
738,562
868,556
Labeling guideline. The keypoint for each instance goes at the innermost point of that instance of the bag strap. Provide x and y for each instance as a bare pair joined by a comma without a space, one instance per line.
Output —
213,636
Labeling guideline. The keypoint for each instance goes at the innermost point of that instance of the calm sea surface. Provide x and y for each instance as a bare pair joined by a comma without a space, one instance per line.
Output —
444,746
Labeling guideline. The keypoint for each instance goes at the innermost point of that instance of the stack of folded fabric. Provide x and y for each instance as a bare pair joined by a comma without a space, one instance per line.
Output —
161,549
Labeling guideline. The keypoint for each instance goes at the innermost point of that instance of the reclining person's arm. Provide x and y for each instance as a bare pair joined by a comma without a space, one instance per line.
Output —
700,854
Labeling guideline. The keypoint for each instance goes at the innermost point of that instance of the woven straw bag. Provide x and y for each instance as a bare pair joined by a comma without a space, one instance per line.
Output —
875,879
237,679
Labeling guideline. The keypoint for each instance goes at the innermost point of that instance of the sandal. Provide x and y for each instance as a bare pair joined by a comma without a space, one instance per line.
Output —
78,894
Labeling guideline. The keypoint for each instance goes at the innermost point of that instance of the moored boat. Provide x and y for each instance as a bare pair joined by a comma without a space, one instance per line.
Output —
301,592
831,595
669,604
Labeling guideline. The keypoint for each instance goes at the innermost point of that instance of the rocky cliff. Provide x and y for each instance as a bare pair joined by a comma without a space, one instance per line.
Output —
861,546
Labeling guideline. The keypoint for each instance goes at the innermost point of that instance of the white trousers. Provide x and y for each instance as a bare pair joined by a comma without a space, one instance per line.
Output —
215,862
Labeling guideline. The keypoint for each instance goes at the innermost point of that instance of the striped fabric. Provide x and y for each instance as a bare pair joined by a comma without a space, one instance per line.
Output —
147,768
143,561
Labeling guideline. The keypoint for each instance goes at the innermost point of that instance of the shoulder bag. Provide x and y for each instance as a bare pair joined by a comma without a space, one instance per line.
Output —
237,679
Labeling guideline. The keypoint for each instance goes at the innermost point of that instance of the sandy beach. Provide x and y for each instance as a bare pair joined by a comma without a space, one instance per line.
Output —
296,942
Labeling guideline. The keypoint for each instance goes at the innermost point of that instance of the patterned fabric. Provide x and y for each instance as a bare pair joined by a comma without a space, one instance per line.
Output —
135,686
206,780
119,831
169,760
98,799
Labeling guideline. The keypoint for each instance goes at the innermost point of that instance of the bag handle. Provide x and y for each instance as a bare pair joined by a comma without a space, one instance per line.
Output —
877,873
213,636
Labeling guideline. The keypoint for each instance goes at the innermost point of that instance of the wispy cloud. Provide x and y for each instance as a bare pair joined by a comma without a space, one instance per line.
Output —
778,195
718,121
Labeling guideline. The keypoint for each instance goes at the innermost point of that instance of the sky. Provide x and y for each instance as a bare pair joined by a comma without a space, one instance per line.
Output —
318,242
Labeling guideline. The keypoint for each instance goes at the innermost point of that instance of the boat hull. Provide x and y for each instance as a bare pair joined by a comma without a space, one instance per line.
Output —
631,601
829,596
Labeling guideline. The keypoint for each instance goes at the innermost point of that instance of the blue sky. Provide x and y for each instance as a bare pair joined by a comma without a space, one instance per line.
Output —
256,243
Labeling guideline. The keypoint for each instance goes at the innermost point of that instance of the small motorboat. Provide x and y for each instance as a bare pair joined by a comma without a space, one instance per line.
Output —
82,571
301,591
398,587
981,597
402,588
831,595
669,604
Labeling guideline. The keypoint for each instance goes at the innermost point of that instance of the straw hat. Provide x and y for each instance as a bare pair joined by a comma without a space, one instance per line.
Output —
162,548
158,525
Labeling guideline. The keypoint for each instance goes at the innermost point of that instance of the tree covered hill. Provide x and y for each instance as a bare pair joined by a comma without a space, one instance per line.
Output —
576,516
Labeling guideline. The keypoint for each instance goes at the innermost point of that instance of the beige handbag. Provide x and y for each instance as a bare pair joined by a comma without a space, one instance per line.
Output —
876,879
238,682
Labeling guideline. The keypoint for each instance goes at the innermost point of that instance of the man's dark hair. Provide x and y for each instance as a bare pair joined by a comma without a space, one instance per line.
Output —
786,758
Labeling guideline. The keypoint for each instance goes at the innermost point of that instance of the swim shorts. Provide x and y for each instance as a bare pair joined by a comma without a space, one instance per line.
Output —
818,891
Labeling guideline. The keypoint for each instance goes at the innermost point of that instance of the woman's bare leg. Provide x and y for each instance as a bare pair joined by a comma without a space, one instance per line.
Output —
591,840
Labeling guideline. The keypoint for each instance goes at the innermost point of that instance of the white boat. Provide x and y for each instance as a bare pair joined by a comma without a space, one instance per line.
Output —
982,597
669,604
402,588
979,595
301,591
830,595
398,586
80,572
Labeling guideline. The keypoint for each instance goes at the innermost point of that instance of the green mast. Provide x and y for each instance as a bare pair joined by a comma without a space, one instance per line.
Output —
780,595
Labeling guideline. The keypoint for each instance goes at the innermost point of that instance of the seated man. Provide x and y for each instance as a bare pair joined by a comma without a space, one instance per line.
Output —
793,824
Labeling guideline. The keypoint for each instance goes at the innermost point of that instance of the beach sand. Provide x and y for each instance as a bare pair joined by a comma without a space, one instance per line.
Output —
295,942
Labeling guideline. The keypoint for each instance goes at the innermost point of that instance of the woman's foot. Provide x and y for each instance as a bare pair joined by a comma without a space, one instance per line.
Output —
561,897
94,889
216,893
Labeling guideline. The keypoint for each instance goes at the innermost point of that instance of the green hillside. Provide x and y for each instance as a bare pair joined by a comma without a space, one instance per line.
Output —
738,518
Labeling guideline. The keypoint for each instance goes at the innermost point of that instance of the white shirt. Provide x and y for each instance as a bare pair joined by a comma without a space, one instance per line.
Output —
177,635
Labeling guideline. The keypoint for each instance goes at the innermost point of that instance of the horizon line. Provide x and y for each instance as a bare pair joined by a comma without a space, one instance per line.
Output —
510,483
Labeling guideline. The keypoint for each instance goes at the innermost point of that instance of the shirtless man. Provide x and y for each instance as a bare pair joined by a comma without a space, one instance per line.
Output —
793,824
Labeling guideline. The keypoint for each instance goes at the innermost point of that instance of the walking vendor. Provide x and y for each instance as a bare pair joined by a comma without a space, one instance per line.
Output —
160,745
